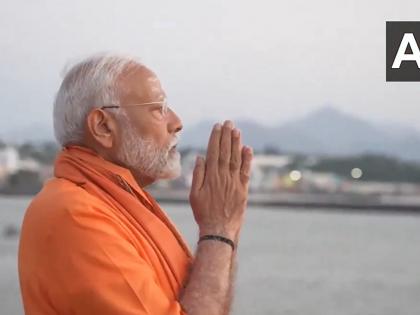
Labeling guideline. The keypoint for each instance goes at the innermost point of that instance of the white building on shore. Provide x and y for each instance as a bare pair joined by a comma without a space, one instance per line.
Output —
9,159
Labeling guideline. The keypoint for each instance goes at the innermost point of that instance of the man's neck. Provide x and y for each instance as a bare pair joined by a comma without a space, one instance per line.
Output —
142,181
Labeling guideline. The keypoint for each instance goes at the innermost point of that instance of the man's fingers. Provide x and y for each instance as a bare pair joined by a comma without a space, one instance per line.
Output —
214,146
247,156
226,144
236,154
198,174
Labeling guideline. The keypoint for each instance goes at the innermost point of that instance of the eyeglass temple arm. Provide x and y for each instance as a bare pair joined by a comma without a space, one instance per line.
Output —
116,106
109,106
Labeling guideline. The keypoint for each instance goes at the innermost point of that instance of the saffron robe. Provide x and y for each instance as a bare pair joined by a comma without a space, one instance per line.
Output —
94,242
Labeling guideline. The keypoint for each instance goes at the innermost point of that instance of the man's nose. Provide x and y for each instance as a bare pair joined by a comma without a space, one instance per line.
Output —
174,122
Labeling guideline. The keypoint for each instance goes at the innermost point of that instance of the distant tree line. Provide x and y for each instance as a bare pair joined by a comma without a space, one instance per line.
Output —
374,168
27,182
22,182
44,153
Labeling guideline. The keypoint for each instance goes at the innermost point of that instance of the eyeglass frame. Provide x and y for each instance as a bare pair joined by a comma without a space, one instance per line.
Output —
165,107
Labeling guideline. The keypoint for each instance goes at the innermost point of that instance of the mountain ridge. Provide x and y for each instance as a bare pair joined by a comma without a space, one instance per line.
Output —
325,131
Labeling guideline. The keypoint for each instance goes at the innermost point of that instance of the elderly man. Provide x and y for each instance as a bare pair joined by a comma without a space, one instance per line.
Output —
93,240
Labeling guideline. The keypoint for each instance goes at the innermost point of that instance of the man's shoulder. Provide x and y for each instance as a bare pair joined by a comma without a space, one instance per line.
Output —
62,212
61,192
60,197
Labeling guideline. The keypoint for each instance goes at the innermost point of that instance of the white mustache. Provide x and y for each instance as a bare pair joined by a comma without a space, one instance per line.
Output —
173,142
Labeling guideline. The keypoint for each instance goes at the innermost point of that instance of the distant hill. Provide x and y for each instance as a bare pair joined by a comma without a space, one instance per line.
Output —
326,131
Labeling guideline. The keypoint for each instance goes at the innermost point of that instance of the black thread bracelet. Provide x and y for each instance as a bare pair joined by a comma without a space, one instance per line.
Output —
218,238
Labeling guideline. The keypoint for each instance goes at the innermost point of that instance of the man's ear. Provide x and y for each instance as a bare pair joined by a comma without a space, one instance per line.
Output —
102,127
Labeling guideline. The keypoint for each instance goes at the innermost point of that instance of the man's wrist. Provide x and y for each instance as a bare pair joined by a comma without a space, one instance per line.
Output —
217,238
232,235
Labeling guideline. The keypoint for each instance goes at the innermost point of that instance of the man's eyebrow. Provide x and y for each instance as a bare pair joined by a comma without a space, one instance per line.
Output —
162,99
152,78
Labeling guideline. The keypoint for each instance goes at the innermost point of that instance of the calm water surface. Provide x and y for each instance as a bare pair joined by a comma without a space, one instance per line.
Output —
291,261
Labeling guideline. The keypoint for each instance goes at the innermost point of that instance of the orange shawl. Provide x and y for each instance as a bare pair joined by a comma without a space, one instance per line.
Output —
94,242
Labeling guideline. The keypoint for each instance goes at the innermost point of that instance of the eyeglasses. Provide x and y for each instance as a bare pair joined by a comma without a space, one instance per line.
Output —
163,109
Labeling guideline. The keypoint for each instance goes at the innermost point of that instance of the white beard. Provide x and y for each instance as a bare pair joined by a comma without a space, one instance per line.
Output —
144,157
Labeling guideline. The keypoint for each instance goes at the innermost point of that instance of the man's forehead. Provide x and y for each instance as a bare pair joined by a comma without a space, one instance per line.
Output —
141,83
154,84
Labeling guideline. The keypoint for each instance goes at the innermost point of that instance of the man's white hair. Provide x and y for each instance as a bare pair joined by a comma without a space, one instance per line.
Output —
90,83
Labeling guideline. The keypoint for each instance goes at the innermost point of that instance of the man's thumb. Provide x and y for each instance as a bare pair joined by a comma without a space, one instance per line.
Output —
198,174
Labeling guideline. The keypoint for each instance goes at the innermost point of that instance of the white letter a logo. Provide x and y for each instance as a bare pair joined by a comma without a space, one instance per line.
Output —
408,39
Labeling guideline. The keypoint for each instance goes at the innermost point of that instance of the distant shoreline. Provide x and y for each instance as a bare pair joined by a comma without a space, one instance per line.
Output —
314,200
327,201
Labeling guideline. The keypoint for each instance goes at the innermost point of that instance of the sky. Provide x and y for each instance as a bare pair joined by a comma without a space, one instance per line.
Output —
269,61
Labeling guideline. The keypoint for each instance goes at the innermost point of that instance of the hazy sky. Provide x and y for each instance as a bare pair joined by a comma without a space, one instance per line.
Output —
265,60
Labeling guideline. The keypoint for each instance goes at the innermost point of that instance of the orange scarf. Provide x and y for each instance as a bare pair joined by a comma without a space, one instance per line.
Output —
159,240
